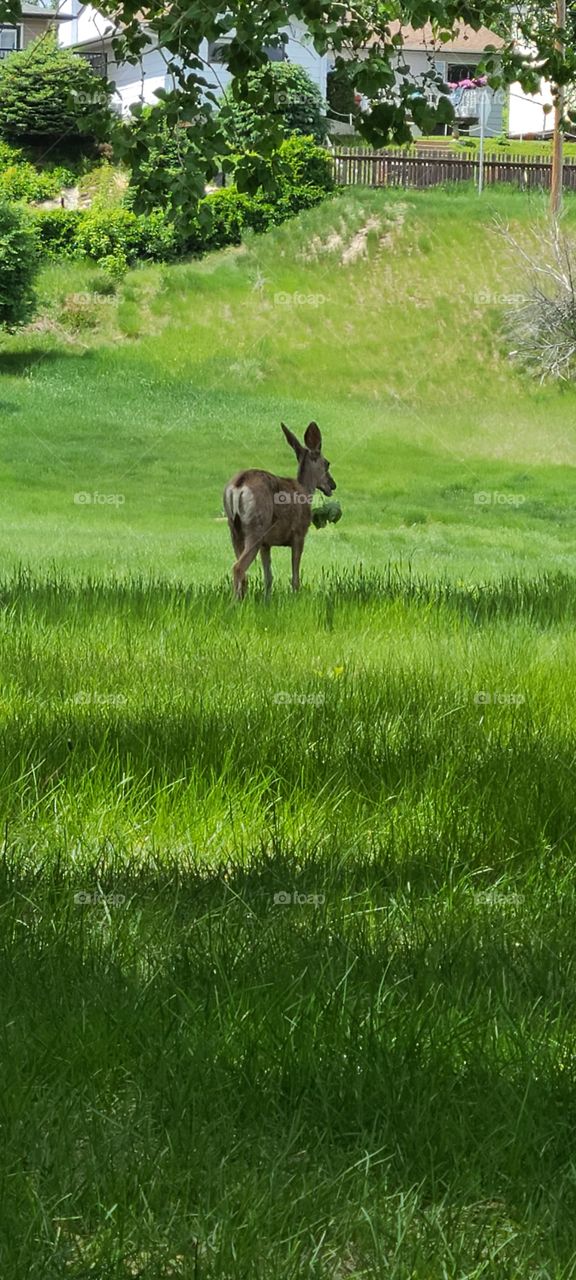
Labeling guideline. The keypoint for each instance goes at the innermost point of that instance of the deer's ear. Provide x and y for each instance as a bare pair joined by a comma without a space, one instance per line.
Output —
292,441
313,437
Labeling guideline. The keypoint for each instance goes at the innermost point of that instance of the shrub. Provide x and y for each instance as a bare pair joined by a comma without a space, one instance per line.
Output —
159,239
57,231
48,90
114,266
19,261
295,102
116,237
221,220
306,164
9,154
225,215
22,181
104,233
298,163
541,320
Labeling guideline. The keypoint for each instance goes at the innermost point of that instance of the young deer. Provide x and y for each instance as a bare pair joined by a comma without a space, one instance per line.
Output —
267,511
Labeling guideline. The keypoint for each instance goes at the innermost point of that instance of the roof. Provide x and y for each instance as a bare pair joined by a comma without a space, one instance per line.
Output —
41,11
466,40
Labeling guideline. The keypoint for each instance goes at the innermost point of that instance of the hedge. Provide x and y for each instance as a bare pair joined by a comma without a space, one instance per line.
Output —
19,260
104,234
119,234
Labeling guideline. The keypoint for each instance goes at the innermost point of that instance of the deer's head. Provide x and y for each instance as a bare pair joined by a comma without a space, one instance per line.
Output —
313,467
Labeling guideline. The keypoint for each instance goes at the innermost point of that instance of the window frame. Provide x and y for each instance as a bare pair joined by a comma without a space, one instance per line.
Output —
18,28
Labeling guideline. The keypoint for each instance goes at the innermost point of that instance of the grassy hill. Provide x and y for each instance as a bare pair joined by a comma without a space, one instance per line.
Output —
397,355
288,929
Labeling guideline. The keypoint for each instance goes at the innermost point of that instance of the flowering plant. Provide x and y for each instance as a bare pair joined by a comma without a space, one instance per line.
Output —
478,82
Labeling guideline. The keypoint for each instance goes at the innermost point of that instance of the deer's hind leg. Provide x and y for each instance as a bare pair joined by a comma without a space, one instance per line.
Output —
240,568
266,559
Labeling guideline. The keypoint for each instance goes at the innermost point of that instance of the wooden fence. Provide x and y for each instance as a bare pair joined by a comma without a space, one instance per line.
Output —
360,167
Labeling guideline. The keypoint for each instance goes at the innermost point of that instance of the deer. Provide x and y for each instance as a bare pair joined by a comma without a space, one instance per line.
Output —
266,511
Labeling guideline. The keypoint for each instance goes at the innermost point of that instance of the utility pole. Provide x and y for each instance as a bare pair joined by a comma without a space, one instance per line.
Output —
559,104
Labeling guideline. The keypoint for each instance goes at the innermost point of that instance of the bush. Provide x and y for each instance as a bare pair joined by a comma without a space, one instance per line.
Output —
305,164
121,234
295,102
19,261
304,180
22,181
105,233
541,321
114,237
57,231
159,239
47,90
117,237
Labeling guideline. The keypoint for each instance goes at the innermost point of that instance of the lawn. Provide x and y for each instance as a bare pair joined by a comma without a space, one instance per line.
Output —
288,944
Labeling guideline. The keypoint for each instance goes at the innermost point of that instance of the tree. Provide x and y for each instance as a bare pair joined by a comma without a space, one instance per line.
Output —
19,261
298,106
364,42
49,91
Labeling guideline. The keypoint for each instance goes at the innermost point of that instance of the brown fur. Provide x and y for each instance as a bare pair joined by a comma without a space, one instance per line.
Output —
265,510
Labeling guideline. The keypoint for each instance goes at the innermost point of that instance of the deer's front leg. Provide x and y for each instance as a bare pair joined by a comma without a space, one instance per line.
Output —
297,548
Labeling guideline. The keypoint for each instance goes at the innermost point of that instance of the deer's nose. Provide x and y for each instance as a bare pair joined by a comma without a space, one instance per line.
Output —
333,483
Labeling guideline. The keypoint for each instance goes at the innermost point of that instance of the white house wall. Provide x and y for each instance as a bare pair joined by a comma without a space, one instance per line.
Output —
527,114
90,29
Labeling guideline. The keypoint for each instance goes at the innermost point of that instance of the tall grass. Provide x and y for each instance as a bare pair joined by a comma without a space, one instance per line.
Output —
288,906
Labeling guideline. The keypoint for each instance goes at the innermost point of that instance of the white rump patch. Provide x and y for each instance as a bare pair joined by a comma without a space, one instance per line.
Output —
240,501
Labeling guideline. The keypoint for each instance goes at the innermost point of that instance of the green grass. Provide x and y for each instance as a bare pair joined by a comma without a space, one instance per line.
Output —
184,377
375,1078
500,146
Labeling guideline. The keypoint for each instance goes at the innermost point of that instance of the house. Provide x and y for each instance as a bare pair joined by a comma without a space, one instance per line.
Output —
455,60
531,115
35,21
90,33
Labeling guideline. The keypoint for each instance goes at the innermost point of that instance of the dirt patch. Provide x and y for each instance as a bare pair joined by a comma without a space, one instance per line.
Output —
349,246
358,246
317,247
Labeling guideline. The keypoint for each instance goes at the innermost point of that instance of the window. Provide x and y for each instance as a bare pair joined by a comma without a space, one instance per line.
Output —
276,54
98,62
217,50
9,40
458,71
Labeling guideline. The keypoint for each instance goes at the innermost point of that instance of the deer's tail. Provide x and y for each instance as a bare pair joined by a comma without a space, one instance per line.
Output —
238,504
